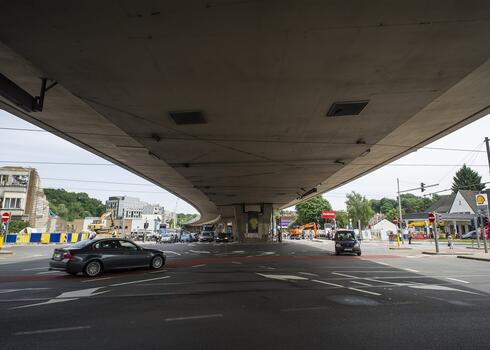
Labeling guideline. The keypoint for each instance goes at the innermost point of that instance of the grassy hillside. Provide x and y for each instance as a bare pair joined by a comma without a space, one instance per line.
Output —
73,205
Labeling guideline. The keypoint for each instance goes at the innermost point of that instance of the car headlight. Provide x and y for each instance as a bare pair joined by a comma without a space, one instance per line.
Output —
338,245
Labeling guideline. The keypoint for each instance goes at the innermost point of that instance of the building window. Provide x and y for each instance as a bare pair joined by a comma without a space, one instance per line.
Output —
12,203
3,180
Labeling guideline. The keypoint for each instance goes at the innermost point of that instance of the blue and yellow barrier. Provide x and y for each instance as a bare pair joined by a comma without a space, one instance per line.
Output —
45,237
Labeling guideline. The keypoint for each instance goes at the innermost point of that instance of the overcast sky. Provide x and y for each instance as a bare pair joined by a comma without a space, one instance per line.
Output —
38,146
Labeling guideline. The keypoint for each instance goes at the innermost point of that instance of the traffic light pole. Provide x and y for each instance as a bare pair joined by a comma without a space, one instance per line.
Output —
436,234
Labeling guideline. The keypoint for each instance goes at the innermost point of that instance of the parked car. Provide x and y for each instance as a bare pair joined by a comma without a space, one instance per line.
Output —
170,237
346,242
206,236
470,235
92,257
221,237
186,237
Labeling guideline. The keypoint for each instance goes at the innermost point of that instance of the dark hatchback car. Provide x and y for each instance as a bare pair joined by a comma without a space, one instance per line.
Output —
221,237
92,257
346,242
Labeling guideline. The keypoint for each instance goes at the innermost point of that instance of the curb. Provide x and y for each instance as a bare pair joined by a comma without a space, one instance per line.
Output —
473,258
5,252
400,248
449,254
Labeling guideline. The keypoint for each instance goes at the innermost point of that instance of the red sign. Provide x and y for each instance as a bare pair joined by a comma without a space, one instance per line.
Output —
395,221
328,214
5,217
432,217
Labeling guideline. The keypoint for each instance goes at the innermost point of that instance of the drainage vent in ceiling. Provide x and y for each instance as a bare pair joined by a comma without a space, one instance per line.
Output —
339,109
188,117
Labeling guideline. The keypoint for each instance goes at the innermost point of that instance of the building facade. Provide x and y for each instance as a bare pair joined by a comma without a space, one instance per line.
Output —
125,207
21,195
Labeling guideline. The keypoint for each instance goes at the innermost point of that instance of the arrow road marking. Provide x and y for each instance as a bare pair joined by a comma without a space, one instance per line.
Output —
66,296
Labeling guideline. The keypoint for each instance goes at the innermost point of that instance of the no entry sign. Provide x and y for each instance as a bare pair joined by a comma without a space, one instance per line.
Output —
395,221
328,214
5,217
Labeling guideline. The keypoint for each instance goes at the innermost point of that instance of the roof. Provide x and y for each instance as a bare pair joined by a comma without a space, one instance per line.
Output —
469,197
443,205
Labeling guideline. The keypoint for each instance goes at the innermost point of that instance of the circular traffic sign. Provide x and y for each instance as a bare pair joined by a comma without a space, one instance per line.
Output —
432,217
5,217
395,221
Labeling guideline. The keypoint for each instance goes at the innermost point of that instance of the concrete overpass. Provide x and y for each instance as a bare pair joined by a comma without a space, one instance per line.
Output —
229,103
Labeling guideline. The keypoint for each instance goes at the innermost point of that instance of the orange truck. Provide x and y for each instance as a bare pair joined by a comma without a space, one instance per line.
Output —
297,232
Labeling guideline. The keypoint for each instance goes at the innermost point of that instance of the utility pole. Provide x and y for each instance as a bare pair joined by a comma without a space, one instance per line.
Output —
487,143
399,208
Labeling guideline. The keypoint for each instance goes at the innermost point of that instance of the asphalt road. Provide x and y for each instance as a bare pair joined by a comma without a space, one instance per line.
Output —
294,295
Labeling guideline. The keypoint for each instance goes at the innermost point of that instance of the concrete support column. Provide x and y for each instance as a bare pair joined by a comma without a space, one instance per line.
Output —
241,224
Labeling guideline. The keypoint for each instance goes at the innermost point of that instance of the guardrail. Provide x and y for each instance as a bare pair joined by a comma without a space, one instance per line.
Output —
44,238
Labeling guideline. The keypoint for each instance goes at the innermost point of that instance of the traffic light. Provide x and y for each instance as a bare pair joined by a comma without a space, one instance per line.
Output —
422,187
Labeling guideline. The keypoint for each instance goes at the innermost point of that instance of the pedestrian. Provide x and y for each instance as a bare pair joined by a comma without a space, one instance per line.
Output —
410,238
449,241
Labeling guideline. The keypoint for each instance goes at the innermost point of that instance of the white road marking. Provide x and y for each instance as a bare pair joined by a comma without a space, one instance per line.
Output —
238,251
139,281
199,265
411,270
158,271
236,262
3,291
96,279
457,280
52,330
185,318
363,291
282,277
200,251
265,253
171,252
343,274
382,263
66,296
328,283
305,308
37,255
385,282
361,283
47,272
308,274
36,268
438,287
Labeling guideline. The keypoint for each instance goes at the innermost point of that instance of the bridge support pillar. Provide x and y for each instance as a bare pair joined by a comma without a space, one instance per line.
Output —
253,226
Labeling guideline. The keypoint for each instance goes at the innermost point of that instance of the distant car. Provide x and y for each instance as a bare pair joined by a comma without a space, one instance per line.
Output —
221,237
186,237
92,257
170,238
206,236
470,235
346,242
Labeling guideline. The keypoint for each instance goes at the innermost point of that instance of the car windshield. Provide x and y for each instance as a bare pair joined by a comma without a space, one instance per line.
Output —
345,236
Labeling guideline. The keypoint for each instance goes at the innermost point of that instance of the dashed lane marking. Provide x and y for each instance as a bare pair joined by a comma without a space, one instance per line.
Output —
411,270
197,317
282,277
52,330
308,274
344,275
200,265
328,283
47,272
363,291
236,262
382,263
96,279
456,279
3,291
36,268
158,271
139,281
200,251
361,283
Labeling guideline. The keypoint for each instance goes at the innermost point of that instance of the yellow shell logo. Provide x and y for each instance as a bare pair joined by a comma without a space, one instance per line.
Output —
480,199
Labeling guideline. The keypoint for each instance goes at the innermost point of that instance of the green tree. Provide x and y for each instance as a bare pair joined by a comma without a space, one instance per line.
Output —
375,205
358,208
73,205
182,218
467,179
391,214
311,210
17,225
342,219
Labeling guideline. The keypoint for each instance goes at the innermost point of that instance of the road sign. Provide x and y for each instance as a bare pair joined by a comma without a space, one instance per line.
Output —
432,217
481,200
328,214
5,217
395,221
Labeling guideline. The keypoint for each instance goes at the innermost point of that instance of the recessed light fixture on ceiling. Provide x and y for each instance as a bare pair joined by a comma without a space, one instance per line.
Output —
339,109
187,117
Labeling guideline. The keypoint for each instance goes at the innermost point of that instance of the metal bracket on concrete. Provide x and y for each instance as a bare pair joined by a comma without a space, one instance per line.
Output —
21,98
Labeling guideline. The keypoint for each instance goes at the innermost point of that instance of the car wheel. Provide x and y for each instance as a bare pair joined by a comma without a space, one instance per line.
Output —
359,254
92,269
157,262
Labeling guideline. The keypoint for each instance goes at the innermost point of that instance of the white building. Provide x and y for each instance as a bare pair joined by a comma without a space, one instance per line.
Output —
127,207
